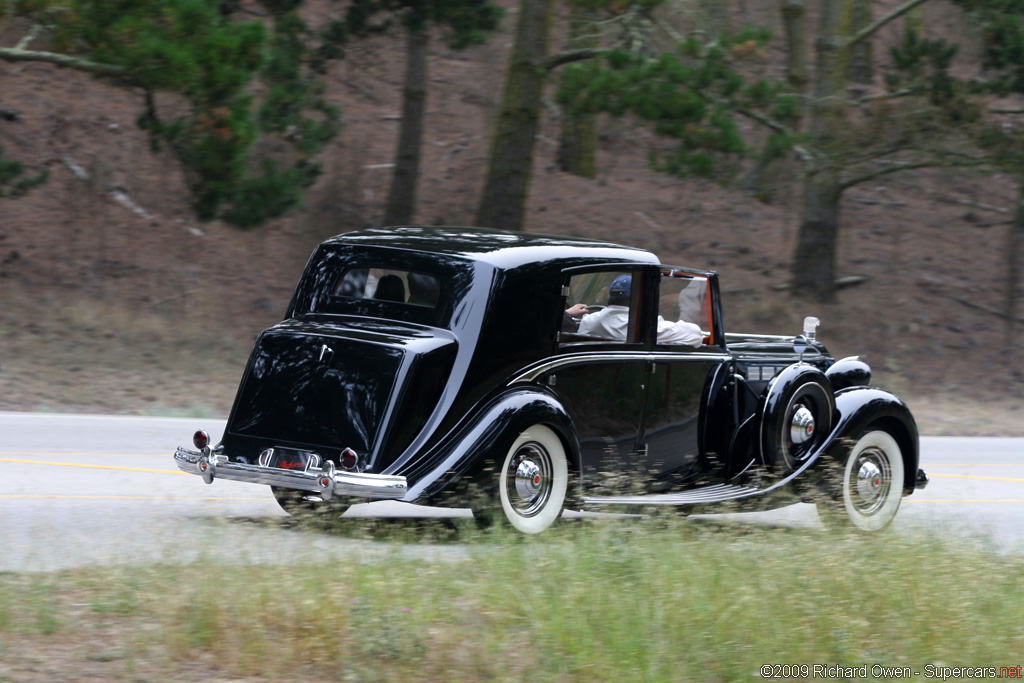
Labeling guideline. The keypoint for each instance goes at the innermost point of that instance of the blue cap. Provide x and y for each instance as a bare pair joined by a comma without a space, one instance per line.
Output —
621,286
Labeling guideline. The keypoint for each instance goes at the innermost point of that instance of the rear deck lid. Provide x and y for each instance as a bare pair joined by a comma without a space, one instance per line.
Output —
317,390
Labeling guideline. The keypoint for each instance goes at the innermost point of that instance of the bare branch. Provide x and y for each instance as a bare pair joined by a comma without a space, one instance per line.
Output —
896,168
806,154
896,94
569,56
13,54
867,31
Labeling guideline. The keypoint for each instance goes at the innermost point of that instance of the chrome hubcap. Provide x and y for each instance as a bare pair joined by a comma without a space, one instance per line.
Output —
528,479
801,425
873,480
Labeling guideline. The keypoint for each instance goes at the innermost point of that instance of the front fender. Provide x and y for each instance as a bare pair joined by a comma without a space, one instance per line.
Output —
859,408
487,435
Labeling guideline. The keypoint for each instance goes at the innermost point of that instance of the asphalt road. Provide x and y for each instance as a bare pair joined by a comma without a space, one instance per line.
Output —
80,490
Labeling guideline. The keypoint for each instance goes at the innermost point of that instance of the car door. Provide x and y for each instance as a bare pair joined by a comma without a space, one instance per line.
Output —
679,444
601,368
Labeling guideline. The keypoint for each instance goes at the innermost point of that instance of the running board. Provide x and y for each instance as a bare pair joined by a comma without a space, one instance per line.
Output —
708,494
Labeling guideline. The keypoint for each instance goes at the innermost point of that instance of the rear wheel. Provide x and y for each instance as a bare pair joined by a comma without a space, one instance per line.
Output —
872,485
532,482
303,504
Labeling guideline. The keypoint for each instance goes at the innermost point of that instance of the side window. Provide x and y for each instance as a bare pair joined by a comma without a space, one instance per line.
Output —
685,297
610,302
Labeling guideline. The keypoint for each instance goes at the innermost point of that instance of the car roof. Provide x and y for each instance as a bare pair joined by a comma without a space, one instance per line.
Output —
499,248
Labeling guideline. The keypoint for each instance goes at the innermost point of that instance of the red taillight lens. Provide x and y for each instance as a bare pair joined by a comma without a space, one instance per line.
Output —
201,439
349,459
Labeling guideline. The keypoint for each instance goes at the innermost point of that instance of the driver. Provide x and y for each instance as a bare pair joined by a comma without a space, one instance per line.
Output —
612,321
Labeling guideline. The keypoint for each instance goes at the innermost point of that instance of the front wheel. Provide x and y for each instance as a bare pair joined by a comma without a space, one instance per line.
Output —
532,481
302,504
872,485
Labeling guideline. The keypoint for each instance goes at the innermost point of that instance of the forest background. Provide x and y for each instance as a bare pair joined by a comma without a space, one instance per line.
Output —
166,169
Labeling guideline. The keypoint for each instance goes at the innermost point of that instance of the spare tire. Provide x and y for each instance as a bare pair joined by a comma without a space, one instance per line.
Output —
796,416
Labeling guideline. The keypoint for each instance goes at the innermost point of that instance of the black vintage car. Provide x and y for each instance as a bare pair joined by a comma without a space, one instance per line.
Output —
459,366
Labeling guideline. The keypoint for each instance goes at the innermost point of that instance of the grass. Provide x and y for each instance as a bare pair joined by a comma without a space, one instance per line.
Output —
661,600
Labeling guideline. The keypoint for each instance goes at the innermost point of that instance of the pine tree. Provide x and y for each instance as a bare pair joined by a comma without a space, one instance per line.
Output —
198,50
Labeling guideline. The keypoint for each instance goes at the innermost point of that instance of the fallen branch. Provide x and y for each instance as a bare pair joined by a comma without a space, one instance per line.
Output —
986,309
979,205
122,198
13,54
76,169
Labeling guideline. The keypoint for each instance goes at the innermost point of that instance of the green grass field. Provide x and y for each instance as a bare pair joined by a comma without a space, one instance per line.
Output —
653,600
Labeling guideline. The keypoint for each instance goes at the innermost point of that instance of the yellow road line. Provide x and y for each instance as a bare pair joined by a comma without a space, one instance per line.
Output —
96,455
957,500
974,476
971,464
95,467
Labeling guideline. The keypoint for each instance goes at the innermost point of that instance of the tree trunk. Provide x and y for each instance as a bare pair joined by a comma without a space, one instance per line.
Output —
401,203
1013,258
915,20
503,204
716,18
814,270
794,19
577,149
862,56
814,265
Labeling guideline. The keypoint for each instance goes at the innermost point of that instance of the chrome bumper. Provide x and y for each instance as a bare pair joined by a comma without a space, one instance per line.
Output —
326,480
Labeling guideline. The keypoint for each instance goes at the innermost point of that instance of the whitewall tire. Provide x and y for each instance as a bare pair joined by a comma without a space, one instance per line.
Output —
872,485
533,480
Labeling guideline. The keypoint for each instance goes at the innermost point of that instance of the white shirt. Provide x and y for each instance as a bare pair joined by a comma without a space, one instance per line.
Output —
679,332
613,322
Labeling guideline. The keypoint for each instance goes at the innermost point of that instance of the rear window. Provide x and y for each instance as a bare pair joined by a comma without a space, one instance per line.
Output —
388,284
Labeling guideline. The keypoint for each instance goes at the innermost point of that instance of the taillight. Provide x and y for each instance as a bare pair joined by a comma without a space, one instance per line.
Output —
201,439
349,459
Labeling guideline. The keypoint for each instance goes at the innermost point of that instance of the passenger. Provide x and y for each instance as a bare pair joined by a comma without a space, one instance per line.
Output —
691,304
423,289
390,288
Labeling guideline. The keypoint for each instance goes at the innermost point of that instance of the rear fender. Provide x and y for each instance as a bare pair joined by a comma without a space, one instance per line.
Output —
484,438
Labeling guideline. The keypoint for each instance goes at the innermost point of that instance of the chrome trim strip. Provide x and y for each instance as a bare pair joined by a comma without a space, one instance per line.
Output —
557,362
212,466
739,336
